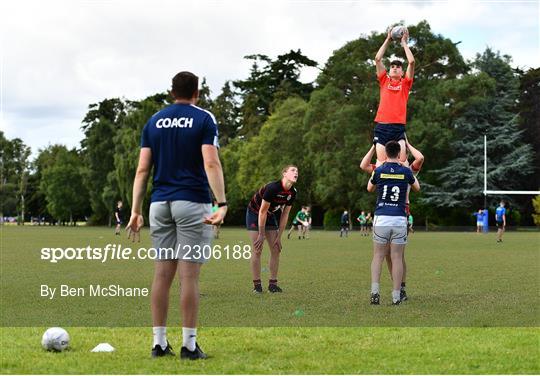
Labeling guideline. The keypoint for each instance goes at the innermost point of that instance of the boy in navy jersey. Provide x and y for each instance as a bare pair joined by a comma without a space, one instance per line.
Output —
266,217
415,166
180,142
391,180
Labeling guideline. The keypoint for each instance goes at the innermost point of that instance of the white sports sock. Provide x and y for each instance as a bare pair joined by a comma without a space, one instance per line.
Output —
189,337
395,296
160,336
374,288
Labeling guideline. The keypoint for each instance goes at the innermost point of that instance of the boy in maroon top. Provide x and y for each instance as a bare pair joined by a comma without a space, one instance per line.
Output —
266,216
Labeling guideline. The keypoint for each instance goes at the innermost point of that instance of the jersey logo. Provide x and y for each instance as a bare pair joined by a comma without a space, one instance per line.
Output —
394,87
289,197
182,122
393,176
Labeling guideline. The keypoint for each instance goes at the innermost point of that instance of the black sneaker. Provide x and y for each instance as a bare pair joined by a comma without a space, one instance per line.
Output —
289,235
274,288
396,302
158,351
375,299
192,355
403,295
258,289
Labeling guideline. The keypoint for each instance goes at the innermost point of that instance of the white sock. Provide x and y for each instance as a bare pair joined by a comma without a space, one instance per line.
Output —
374,288
189,337
395,296
160,336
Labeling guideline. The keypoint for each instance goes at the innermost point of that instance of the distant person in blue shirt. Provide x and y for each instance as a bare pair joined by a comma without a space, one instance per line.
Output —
479,220
180,143
391,180
500,219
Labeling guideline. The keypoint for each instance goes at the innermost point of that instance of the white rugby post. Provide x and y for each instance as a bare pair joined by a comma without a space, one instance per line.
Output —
490,192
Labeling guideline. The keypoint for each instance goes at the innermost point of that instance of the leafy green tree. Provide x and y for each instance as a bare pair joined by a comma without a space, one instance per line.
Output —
14,170
8,186
529,118
64,187
536,214
37,203
100,126
494,115
279,143
126,156
335,145
270,82
205,101
230,157
225,109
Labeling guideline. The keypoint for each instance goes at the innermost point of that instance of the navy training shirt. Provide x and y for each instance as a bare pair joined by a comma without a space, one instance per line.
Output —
175,136
392,181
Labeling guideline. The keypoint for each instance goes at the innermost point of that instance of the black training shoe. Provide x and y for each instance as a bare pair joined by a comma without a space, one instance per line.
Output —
398,302
274,288
258,289
403,295
375,299
192,355
158,351
288,235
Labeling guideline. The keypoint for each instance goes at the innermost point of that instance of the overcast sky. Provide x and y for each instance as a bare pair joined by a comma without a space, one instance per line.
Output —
57,57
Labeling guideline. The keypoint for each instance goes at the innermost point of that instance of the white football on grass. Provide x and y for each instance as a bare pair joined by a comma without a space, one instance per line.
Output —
55,339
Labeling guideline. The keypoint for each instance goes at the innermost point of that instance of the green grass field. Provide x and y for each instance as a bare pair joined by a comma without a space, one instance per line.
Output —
473,308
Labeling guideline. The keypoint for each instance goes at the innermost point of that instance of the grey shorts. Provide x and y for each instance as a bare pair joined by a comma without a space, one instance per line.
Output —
178,231
390,229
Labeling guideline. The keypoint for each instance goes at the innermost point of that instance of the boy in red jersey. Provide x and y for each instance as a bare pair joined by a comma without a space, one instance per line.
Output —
394,94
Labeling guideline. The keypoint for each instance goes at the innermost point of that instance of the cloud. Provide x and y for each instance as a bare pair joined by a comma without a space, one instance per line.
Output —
63,55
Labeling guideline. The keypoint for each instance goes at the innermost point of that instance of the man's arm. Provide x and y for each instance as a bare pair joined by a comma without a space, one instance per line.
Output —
263,214
410,58
380,54
136,220
371,185
416,185
214,172
283,219
418,157
365,164
504,220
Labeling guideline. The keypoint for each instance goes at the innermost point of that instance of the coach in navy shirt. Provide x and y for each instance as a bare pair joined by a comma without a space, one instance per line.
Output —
181,143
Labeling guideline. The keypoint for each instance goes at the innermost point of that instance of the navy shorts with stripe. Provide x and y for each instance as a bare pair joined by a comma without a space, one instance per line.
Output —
388,132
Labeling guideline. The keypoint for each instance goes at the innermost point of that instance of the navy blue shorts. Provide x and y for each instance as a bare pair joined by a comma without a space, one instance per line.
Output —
252,221
388,132
500,223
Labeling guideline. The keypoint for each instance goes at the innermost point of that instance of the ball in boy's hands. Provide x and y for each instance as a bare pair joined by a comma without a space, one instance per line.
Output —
397,32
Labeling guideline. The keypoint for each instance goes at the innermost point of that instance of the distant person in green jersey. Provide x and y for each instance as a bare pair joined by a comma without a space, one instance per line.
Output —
363,223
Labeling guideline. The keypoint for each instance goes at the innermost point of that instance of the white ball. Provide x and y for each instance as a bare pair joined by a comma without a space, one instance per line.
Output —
397,32
56,339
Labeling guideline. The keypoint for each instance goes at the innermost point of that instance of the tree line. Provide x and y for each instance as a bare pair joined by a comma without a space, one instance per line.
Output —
271,118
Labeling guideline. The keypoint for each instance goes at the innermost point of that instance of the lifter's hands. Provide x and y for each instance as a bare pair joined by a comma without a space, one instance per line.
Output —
405,38
389,33
133,228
